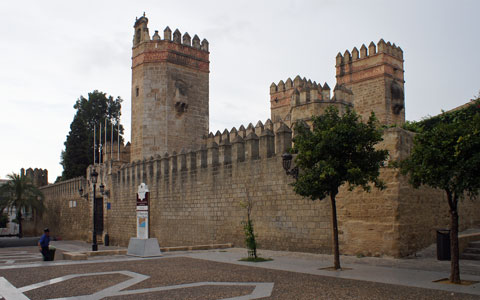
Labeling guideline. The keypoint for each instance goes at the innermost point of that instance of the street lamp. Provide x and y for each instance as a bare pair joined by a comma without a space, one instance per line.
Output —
287,162
93,180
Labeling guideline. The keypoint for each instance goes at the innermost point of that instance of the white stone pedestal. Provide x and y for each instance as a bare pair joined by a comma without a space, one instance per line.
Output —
143,247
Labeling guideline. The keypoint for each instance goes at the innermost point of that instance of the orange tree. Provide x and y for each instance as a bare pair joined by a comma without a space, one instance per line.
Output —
340,149
446,155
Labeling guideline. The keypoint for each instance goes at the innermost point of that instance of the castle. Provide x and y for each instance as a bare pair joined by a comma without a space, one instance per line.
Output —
197,179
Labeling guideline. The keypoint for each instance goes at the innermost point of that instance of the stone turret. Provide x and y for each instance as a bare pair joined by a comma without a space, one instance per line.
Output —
39,177
376,80
170,90
300,99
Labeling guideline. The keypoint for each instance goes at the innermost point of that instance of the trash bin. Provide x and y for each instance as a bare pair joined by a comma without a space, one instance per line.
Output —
51,254
443,244
106,240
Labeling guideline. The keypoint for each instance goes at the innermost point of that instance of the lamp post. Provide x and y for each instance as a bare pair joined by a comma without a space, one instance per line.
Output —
287,162
93,180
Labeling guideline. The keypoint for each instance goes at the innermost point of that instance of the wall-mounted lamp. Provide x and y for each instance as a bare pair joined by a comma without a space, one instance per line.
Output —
103,191
287,162
80,192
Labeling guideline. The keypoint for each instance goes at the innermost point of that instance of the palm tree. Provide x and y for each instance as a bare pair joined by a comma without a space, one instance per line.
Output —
20,193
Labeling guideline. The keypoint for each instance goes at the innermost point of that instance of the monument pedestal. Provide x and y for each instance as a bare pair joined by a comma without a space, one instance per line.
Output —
143,247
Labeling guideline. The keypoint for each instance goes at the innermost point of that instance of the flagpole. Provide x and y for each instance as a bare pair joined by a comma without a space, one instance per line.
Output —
118,139
100,144
111,140
94,144
105,145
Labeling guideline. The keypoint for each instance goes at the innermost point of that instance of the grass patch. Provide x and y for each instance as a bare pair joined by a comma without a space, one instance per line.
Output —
253,259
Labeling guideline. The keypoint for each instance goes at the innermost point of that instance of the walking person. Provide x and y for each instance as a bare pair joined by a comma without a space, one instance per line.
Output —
44,243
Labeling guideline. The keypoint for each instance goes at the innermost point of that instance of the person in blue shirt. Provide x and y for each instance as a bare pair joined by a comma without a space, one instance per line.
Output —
44,243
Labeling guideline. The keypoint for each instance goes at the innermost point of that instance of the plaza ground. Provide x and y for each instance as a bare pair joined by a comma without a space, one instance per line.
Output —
217,274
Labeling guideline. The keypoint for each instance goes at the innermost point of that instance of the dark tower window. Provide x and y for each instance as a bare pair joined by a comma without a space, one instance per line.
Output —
138,35
137,90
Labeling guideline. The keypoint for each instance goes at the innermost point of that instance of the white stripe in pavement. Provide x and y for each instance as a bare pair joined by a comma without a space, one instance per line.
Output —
45,283
261,290
9,292
76,262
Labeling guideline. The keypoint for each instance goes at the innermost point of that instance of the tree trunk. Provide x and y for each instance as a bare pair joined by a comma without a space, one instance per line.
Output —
336,251
455,255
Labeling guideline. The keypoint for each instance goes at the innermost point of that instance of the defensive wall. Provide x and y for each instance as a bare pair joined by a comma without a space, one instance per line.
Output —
195,199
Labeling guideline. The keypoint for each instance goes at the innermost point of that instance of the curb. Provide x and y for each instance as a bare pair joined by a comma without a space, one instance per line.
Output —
86,254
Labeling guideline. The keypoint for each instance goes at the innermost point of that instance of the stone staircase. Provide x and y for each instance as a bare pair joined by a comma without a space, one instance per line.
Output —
472,252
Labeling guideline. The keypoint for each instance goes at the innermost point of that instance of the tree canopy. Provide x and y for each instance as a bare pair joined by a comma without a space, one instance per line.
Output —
339,150
92,112
466,112
446,155
19,193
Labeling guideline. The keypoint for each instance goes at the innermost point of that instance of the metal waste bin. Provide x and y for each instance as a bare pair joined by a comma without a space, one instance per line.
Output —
443,244
106,240
51,255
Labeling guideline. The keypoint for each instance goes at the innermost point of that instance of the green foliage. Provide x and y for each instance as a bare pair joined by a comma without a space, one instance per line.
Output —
412,126
463,114
250,241
446,154
20,193
91,112
339,150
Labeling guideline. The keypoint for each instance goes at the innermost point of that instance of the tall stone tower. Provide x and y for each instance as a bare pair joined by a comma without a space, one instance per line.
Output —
170,79
375,76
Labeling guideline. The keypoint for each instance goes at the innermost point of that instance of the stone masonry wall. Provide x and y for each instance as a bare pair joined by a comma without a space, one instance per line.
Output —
195,199
67,215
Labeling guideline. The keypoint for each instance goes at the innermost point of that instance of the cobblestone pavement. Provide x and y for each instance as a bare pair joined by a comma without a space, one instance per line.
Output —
182,276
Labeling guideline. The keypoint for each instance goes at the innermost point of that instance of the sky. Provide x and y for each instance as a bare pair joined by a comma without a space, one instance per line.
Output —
51,52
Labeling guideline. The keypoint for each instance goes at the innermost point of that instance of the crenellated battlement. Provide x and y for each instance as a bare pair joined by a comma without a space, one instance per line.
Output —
142,36
117,152
39,177
297,82
228,136
299,99
375,75
220,149
372,50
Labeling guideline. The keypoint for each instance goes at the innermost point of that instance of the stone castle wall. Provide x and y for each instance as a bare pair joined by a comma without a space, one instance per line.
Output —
195,199
68,215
